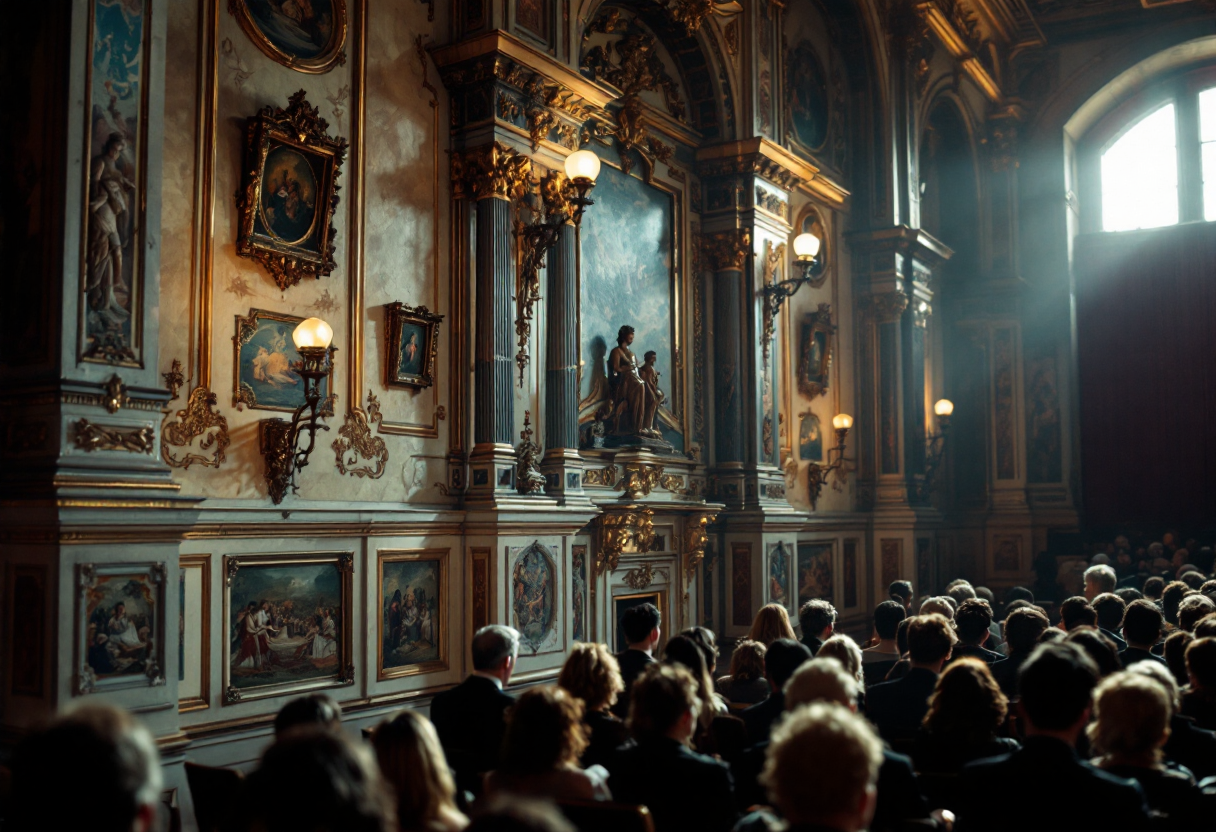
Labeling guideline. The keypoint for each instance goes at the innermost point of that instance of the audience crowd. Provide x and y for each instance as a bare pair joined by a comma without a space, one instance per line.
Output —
958,712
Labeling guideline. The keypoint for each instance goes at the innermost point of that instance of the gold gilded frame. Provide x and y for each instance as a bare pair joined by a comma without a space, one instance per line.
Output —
87,575
203,700
816,322
246,328
333,55
442,557
396,315
345,675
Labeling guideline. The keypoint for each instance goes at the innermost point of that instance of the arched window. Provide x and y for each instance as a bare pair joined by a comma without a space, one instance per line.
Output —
1140,174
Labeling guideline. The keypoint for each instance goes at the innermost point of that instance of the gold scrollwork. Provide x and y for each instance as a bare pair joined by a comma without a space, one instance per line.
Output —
494,170
92,437
174,379
815,356
355,438
774,264
641,577
195,419
640,479
696,538
673,483
605,476
722,250
692,13
616,530
115,396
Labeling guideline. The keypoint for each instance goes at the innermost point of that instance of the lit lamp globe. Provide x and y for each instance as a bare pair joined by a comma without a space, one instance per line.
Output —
312,338
582,165
806,247
842,422
944,408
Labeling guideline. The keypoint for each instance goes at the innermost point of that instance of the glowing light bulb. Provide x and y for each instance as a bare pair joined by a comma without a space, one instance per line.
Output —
806,246
944,407
842,421
313,332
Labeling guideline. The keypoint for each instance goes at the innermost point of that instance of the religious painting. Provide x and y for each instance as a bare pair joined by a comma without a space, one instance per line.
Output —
1043,457
810,438
480,607
533,16
533,597
122,621
27,626
194,633
115,154
265,365
815,352
809,102
815,572
1007,554
289,192
621,603
305,35
412,344
848,569
891,553
630,237
741,584
1003,348
578,596
779,575
413,593
288,619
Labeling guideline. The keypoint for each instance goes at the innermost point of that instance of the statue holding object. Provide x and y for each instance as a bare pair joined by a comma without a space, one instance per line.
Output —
634,397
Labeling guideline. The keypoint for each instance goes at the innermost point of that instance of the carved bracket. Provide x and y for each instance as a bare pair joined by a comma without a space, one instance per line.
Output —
196,419
355,438
91,437
696,539
641,577
640,479
615,531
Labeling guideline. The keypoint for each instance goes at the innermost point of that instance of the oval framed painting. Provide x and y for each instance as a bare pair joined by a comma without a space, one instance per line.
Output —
305,35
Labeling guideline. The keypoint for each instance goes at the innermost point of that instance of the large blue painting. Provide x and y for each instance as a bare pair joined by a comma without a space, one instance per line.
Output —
266,364
626,271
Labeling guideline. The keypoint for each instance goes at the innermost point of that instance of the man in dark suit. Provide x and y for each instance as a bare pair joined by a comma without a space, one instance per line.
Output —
782,658
817,619
470,718
683,789
972,622
1111,609
1045,783
1023,627
1143,625
641,626
897,708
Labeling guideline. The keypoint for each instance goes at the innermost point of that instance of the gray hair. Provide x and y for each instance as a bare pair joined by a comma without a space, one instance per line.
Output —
1102,576
492,644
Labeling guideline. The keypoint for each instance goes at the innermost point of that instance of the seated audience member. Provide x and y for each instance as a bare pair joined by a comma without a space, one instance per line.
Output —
1192,609
1174,653
95,768
780,661
1099,579
966,712
996,639
1187,745
822,770
1110,610
1171,597
746,684
1099,648
1052,634
1192,577
900,669
1205,627
540,753
960,591
770,624
1017,593
843,649
313,711
470,717
704,638
939,604
1077,612
817,618
592,675
683,651
1209,589
971,623
1044,784
508,814
1143,625
1199,701
901,592
1153,588
683,790
336,784
1129,594
879,659
641,626
1022,630
899,707
412,764
1131,724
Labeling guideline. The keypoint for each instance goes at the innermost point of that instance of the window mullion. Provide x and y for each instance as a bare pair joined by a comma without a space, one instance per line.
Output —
1190,161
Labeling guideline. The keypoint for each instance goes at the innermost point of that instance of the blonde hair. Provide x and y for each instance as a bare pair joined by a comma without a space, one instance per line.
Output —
940,604
822,760
747,662
412,762
843,649
820,679
770,624
592,674
1131,716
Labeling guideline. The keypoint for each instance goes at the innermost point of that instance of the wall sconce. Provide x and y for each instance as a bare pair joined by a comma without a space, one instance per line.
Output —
279,438
562,205
809,266
935,445
818,474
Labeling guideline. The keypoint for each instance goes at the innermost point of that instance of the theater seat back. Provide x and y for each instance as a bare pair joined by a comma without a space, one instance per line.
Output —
599,816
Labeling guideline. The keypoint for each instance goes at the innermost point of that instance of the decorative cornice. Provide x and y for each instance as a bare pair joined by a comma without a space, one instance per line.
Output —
770,162
955,27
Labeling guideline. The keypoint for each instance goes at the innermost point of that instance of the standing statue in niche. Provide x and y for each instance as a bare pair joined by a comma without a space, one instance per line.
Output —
633,398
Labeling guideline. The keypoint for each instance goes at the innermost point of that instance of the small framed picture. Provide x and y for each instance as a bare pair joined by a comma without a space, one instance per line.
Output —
122,632
815,352
414,608
265,364
413,343
307,37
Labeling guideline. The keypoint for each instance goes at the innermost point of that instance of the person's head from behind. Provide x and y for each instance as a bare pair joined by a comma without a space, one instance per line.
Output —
544,731
770,624
1201,665
1110,609
747,662
821,680
966,706
822,768
1153,587
1174,653
591,673
901,637
887,616
843,649
1077,612
413,765
931,640
1162,676
685,652
1206,626
313,711
104,759
972,621
901,591
495,649
641,626
1128,594
817,618
704,638
513,814
1055,686
1171,597
344,788
1131,719
1192,609
781,659
1099,579
1142,624
663,703
1018,593
1098,647
941,605
961,592
1193,578
1023,628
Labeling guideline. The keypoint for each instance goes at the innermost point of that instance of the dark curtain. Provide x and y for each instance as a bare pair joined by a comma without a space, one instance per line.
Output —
1146,331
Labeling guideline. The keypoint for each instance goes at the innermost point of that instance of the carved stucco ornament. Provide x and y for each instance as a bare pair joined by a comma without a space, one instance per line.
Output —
198,418
356,440
618,529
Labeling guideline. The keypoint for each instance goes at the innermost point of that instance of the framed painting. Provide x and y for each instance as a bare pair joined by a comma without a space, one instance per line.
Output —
810,438
288,624
578,592
620,603
412,344
534,597
194,633
308,37
779,575
27,624
809,106
121,625
413,592
815,572
289,192
815,352
265,365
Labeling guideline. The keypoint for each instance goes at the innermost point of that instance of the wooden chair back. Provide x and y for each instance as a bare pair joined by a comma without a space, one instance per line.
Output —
601,816
213,791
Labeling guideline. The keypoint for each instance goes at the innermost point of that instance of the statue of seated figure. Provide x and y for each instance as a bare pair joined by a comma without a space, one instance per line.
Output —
633,397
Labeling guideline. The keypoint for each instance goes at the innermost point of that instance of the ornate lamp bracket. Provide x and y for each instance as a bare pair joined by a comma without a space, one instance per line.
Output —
935,449
279,439
817,474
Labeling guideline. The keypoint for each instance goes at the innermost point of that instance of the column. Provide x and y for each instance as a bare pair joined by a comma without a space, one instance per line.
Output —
562,465
726,254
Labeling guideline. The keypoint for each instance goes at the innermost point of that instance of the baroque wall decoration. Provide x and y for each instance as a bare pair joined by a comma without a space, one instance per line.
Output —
578,592
528,478
815,345
121,626
265,363
88,436
289,192
308,37
197,418
618,529
412,346
355,442
414,610
1004,405
891,554
815,573
778,575
534,597
479,608
848,570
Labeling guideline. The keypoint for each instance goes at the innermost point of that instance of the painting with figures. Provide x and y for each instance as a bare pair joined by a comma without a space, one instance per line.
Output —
121,631
779,575
289,197
814,572
810,438
809,108
533,585
413,612
266,362
303,34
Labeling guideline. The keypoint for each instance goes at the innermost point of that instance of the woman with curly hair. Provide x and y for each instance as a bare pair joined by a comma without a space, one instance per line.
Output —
966,710
540,752
770,624
591,673
412,762
746,684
